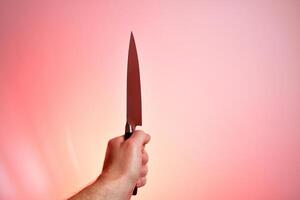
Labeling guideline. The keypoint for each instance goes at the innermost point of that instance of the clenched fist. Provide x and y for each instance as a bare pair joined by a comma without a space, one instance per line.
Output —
125,166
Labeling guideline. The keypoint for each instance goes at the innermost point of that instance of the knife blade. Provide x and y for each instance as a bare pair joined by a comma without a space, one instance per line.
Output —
134,100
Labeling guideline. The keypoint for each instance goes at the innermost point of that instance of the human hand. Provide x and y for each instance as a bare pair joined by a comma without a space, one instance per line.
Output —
125,166
125,163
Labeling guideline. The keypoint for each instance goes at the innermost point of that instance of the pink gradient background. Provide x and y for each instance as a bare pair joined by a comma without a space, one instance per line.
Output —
220,90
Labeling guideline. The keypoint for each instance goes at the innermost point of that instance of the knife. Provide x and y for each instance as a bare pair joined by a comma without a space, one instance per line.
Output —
134,100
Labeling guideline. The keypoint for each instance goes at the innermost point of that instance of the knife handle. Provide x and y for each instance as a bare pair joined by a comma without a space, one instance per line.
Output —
126,136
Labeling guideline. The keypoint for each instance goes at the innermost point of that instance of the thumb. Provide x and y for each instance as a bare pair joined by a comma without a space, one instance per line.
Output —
140,137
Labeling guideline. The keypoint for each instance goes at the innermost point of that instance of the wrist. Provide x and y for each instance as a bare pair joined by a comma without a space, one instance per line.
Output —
119,187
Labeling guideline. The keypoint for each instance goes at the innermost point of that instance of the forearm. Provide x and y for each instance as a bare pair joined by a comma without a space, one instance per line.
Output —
103,189
91,192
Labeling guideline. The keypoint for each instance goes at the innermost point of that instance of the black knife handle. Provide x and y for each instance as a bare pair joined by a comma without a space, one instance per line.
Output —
126,136
134,191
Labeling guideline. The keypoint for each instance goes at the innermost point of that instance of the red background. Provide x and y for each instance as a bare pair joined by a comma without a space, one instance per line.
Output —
220,89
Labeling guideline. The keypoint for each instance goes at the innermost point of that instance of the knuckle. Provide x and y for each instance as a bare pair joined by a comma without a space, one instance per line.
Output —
144,171
149,136
111,142
141,182
144,181
145,158
131,143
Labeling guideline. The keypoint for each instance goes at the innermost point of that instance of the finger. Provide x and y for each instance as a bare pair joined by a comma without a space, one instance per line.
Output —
140,137
116,141
144,171
141,182
145,157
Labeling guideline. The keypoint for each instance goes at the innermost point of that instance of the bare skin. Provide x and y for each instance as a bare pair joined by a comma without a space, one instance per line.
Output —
125,166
